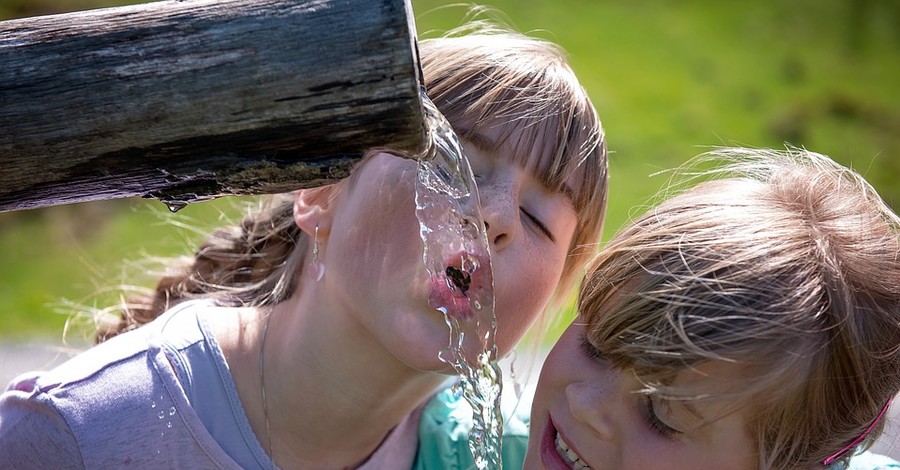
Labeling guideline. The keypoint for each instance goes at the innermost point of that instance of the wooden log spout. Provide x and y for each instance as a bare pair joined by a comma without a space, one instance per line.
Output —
186,100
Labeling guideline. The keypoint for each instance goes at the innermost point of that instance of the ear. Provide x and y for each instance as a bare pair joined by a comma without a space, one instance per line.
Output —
314,207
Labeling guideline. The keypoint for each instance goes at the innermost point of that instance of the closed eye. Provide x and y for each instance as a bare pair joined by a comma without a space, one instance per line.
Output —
540,225
589,349
655,422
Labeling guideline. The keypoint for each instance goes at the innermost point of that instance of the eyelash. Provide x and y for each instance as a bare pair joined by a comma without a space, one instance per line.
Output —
589,349
655,423
540,225
543,228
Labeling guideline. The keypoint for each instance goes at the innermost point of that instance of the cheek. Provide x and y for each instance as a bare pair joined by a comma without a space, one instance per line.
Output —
520,296
375,230
559,370
528,277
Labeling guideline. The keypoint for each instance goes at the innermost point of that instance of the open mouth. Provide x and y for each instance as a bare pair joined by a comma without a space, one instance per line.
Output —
463,287
459,278
467,274
569,455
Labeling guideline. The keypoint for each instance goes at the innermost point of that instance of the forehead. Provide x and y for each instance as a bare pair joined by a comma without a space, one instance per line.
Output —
532,147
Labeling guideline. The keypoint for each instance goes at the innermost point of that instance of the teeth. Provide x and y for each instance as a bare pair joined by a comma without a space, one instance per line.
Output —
570,455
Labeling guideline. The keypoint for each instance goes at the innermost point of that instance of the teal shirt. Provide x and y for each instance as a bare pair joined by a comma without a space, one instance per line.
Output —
444,432
447,419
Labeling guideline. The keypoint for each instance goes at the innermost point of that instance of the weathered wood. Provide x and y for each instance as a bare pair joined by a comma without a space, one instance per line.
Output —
187,100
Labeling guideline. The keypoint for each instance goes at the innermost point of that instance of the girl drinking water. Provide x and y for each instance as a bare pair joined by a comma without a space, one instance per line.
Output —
303,336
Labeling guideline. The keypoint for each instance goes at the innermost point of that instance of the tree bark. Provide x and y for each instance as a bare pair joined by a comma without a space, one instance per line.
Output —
189,100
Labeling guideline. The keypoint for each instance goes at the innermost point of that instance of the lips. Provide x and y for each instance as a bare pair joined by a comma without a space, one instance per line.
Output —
463,285
556,453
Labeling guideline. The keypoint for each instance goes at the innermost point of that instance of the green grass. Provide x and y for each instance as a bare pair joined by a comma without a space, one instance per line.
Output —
58,259
669,79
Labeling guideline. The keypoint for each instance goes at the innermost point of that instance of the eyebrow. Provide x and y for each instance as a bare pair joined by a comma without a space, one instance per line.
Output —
479,140
568,192
692,410
488,145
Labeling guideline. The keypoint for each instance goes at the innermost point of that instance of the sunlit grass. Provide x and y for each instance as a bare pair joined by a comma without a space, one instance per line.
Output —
669,79
58,258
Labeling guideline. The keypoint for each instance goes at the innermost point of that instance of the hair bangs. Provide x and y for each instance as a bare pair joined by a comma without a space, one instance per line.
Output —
679,289
521,92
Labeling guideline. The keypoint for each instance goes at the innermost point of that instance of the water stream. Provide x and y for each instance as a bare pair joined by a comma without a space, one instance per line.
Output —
457,255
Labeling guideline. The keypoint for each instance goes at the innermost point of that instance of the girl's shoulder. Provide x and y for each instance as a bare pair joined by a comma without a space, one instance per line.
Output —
120,403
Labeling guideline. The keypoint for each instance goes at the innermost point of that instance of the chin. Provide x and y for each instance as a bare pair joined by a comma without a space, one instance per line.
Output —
441,368
430,363
425,358
419,350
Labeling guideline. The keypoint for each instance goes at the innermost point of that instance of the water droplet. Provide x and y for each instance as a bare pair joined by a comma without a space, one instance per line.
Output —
162,414
175,206
169,425
171,411
469,264
152,404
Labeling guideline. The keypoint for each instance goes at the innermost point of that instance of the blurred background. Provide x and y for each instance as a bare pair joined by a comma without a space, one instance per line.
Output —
669,78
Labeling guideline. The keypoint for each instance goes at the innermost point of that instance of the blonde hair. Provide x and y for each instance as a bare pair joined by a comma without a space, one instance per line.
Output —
786,265
486,77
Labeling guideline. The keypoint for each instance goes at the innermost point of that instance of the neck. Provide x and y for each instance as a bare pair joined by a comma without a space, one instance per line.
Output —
332,393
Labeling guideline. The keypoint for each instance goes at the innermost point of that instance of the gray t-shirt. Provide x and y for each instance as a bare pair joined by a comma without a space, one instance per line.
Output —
160,396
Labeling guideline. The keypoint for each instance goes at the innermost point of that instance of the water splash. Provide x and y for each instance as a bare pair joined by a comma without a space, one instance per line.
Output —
457,254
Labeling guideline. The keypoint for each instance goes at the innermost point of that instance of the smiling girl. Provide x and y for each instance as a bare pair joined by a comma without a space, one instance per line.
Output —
752,322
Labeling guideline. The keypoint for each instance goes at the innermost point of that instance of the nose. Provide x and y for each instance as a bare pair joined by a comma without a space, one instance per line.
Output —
593,405
500,211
